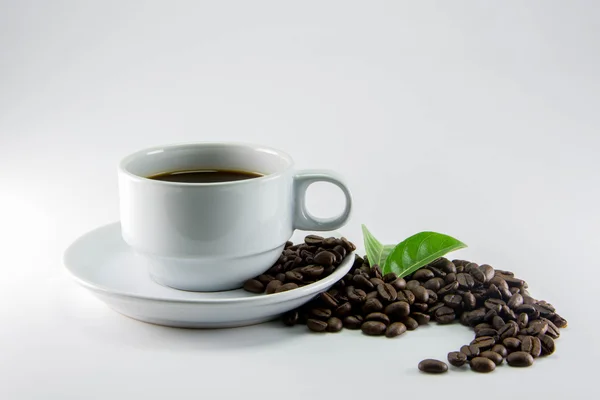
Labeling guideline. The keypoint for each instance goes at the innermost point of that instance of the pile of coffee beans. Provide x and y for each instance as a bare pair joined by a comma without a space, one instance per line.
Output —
302,264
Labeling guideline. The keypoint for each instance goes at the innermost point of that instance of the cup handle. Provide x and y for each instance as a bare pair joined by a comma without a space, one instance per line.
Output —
303,219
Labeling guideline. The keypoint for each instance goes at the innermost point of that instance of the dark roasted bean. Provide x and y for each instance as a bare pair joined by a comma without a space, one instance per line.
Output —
536,328
423,274
313,240
320,313
372,305
465,281
559,321
390,277
373,328
328,300
433,297
512,344
532,345
482,364
483,342
488,271
293,276
436,271
324,258
449,278
457,358
254,286
513,282
362,282
372,295
448,289
285,287
421,318
312,271
407,296
410,285
419,307
376,281
444,315
316,325
377,316
376,272
515,301
432,366
387,292
470,266
486,332
434,284
343,309
494,304
273,286
505,293
290,318
508,314
499,282
481,326
421,294
529,309
474,317
453,300
265,278
498,322
334,324
469,301
552,330
356,296
510,329
523,320
445,265
519,359
399,284
397,310
410,323
547,345
395,329
280,277
478,276
495,357
500,349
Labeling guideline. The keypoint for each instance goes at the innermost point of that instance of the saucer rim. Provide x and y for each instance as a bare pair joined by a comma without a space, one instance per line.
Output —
254,298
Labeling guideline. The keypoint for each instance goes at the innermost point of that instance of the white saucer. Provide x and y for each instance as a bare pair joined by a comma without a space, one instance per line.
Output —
101,262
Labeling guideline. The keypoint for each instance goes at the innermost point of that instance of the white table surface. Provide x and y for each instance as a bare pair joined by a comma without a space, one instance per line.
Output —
476,119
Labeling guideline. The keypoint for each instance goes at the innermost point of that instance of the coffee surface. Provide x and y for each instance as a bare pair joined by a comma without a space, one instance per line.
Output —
205,176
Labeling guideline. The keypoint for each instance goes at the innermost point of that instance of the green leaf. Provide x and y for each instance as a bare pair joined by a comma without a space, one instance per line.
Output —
419,250
376,252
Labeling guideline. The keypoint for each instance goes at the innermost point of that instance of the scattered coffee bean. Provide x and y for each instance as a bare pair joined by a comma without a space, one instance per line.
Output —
495,357
512,344
482,364
519,359
353,322
356,296
498,348
377,316
343,309
532,345
547,345
410,323
372,305
444,315
457,358
483,342
470,351
286,286
387,293
329,300
432,366
395,329
412,284
316,325
423,274
373,328
422,319
254,286
334,324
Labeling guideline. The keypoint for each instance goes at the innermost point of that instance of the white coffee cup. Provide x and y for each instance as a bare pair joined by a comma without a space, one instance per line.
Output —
214,236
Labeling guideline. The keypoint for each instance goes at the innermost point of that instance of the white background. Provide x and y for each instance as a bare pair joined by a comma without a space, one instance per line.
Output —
477,119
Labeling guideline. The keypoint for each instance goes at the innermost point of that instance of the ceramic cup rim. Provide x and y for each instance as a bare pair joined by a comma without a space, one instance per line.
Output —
127,160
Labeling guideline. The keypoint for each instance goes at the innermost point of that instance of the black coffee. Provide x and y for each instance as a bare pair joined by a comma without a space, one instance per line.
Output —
205,176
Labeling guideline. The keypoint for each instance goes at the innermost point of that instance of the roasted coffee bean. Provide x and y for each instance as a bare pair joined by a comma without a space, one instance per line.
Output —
469,301
532,345
290,252
559,321
356,296
389,277
373,328
320,313
421,318
474,317
433,308
372,295
510,329
514,282
362,282
423,274
514,290
395,329
433,297
483,342
312,271
547,345
457,358
512,344
478,276
353,322
328,270
492,292
305,254
410,285
494,304
376,281
265,278
434,284
316,325
293,276
536,328
254,286
372,305
449,278
498,322
280,277
488,271
313,240
285,287
343,309
341,251
499,282
529,309
445,265
387,293
504,272
500,349
444,315
410,323
465,281
298,261
288,244
470,266
552,330
338,257
421,294
486,332
489,316
515,301
453,300
406,295
290,318
505,293
399,284
432,366
329,242
546,310
436,271
519,359
324,258
419,307
273,286
482,364
334,324
377,316
448,289
523,320
288,265
376,272
397,310
348,244
275,269
495,357
328,300
508,314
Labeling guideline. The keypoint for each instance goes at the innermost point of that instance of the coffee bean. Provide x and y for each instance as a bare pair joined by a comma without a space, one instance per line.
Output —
547,345
376,281
334,324
395,329
432,366
348,244
373,328
504,272
488,271
492,292
494,304
285,287
397,310
512,344
448,289
376,272
445,265
324,258
536,328
423,274
436,271
433,297
457,358
444,315
523,320
316,325
372,295
254,286
338,257
482,364
483,342
508,314
387,293
377,316
559,321
390,277
290,318
495,357
362,282
293,276
505,293
478,276
519,359
474,317
353,322
410,285
328,300
265,278
419,307
421,294
486,332
280,277
422,319
453,300
469,301
529,309
465,281
552,329
489,316
515,301
312,271
343,309
313,240
510,329
513,282
341,251
498,348
372,305
499,282
356,296
273,286
329,242
320,313
449,278
399,284
498,322
410,323
532,345
434,284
